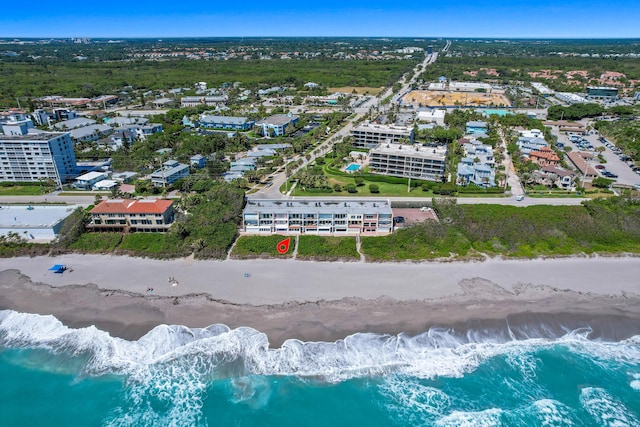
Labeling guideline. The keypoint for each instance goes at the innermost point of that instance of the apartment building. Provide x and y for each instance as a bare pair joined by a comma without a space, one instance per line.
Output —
408,161
369,135
170,172
225,122
153,215
277,124
310,216
209,101
37,157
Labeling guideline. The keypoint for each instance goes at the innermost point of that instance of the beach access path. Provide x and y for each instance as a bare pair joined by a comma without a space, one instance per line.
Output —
271,281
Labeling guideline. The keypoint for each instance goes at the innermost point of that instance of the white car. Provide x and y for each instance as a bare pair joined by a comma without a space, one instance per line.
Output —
520,197
425,209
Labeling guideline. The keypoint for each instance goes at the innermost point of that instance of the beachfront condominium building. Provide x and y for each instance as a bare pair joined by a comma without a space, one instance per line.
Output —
153,215
37,157
369,135
309,216
408,161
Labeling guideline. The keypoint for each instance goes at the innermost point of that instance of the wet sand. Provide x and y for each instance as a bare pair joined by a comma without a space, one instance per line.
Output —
315,301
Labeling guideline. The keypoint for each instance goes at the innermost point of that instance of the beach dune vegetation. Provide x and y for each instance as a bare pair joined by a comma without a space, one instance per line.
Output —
608,226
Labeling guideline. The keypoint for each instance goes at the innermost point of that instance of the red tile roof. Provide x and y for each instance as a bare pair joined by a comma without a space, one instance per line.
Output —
154,206
545,153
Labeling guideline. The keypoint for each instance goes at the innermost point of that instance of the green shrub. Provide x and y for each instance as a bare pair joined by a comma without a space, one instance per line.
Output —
374,189
351,188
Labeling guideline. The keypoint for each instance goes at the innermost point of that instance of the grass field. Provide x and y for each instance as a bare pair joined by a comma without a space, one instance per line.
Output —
359,90
19,190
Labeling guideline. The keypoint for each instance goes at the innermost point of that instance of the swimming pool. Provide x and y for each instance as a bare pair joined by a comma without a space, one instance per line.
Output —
500,113
353,167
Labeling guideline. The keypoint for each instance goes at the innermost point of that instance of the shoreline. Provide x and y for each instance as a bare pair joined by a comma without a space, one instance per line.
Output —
314,301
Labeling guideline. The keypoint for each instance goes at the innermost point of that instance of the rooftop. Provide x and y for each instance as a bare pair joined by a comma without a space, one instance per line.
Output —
145,206
318,206
416,151
44,136
33,216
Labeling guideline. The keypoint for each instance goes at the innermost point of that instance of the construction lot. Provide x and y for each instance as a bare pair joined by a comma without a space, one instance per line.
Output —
446,98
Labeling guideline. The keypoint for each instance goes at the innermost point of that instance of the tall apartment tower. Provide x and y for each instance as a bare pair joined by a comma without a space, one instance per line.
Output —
37,156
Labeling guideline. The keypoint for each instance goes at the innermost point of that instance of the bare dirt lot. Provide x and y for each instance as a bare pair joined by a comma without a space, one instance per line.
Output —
438,98
413,215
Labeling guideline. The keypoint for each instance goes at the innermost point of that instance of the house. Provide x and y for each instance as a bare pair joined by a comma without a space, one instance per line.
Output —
90,133
277,124
88,180
126,121
470,172
429,115
148,215
74,123
105,185
528,144
579,160
125,177
163,102
553,175
170,172
198,161
544,157
475,127
149,129
310,216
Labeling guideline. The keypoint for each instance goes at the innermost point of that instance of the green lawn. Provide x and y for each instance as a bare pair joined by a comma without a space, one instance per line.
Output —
22,190
338,177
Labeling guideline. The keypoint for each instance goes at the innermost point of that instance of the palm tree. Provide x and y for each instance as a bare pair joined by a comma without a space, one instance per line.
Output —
198,245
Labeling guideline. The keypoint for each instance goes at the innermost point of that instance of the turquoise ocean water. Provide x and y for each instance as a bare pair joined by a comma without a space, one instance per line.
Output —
175,376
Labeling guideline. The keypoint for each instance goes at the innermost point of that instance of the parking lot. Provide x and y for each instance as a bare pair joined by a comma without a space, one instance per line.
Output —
412,216
615,168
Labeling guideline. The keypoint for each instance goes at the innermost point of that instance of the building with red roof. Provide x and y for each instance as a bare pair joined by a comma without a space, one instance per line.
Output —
545,156
150,215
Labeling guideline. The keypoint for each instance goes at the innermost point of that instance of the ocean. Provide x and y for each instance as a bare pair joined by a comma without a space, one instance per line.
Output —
532,375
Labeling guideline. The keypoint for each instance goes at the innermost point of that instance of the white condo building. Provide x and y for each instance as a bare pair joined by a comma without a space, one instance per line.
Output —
409,161
309,216
37,157
368,135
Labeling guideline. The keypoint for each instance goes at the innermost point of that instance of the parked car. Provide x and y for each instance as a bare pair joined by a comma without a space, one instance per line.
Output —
600,167
425,209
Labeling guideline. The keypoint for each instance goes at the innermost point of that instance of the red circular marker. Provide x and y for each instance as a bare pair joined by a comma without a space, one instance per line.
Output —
283,246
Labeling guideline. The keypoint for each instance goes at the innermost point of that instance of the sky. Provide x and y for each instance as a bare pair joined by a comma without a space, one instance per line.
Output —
391,18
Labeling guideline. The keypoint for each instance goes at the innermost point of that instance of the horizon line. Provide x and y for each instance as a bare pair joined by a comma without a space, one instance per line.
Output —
329,36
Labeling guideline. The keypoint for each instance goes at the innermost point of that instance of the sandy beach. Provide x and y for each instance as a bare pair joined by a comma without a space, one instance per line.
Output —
317,301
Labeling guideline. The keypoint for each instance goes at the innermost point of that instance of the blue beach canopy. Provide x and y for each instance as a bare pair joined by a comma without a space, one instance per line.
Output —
58,268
